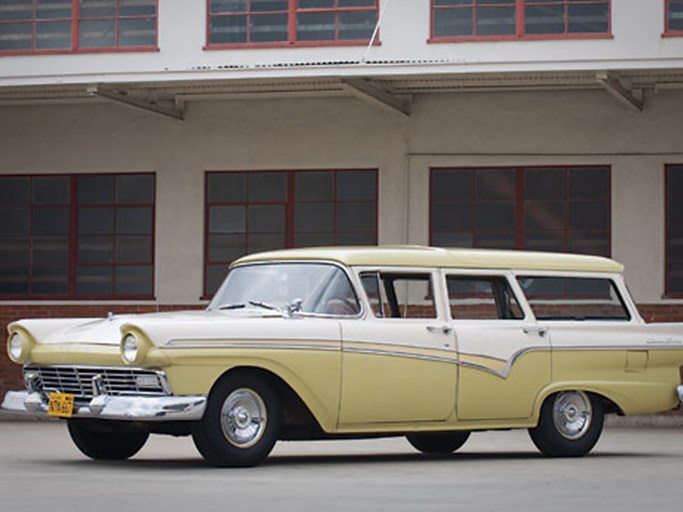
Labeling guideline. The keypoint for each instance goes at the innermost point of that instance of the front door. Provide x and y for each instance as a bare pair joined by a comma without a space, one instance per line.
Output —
398,363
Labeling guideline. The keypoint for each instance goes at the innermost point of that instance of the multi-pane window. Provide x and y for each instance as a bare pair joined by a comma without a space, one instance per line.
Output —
117,23
466,19
573,298
566,16
74,25
674,17
674,230
473,18
84,236
257,22
34,235
248,212
549,209
115,227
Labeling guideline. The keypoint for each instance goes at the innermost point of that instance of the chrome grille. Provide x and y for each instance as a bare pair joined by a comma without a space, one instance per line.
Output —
79,381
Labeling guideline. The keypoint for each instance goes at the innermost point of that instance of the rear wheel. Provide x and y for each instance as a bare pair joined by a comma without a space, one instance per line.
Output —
104,441
241,422
569,425
438,442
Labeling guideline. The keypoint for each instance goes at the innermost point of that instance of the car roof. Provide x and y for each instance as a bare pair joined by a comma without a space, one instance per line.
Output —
422,256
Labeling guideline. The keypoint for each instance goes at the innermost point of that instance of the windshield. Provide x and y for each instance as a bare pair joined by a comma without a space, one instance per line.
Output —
316,288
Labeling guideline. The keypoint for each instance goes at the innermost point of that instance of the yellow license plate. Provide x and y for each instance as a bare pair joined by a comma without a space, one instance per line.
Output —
61,405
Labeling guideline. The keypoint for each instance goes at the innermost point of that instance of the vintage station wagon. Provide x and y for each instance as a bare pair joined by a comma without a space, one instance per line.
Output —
421,342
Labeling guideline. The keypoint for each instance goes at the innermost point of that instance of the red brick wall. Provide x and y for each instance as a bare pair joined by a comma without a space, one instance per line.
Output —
10,373
659,313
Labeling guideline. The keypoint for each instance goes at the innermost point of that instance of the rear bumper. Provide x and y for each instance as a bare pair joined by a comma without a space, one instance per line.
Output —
127,408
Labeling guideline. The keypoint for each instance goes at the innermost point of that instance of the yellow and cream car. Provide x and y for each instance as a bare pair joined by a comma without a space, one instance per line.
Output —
423,342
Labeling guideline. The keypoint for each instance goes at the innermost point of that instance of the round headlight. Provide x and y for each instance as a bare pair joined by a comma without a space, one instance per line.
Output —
15,346
130,348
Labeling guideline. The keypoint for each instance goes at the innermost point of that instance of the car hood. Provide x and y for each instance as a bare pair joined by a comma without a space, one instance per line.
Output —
160,328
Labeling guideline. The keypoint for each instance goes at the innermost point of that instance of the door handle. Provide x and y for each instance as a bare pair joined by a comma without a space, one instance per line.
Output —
540,331
443,329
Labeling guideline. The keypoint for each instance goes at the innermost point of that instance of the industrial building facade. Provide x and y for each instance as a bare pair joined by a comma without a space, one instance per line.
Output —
145,144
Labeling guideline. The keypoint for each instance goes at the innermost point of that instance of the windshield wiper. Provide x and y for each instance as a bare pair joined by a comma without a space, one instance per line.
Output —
255,303
232,306
264,305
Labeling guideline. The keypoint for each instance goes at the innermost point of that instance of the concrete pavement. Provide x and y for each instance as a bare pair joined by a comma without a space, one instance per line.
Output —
630,469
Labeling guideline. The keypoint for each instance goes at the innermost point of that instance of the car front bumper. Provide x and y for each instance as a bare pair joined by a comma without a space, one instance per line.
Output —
127,408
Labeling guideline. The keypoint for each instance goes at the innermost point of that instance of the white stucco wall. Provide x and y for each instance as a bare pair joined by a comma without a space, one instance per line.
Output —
561,128
252,135
637,43
472,129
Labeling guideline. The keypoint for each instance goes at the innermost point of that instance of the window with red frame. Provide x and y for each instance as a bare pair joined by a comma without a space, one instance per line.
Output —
467,19
674,230
258,22
73,25
674,17
77,236
564,209
257,211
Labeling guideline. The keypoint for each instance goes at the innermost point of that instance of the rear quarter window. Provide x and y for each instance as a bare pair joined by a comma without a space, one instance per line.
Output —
574,298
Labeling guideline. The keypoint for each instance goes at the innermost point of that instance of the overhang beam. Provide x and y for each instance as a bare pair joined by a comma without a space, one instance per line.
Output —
614,87
122,97
366,91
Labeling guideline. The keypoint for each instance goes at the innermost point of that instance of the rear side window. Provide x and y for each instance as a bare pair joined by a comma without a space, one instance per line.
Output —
482,298
574,298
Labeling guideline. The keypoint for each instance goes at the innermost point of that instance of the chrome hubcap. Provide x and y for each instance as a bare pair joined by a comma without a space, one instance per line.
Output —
243,418
572,413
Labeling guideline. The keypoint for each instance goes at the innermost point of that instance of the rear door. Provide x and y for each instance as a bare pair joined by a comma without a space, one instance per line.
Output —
504,356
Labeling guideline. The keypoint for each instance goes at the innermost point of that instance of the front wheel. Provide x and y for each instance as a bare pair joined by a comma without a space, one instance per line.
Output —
438,442
569,425
241,422
104,441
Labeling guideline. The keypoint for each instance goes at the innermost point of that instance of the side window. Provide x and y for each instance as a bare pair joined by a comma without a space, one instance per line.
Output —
482,298
399,295
574,298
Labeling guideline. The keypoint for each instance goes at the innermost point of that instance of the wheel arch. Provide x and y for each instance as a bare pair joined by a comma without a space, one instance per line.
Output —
299,419
610,402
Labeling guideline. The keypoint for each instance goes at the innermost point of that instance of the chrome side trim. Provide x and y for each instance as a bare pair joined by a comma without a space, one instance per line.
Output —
459,358
401,354
502,374
409,351
658,346
127,408
264,345
513,358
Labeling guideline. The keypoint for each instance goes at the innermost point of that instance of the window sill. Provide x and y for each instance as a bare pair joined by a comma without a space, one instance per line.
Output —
277,45
22,53
535,37
77,301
